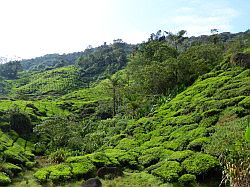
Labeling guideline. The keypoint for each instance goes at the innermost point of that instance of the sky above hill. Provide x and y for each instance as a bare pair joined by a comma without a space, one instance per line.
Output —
31,28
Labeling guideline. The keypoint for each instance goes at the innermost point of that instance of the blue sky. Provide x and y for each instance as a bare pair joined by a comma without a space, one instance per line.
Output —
31,28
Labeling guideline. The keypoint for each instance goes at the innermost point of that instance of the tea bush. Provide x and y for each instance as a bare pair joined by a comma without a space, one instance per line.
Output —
187,179
200,164
4,179
168,171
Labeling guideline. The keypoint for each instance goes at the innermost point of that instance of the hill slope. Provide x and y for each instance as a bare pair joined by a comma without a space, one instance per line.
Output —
174,143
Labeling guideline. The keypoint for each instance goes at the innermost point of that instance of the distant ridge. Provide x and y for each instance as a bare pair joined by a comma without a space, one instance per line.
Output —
8,59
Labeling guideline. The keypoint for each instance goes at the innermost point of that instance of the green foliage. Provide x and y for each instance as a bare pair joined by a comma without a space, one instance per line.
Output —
103,60
15,155
56,81
202,57
99,159
234,151
122,157
64,172
60,172
58,132
156,142
58,156
20,122
50,61
197,144
247,134
75,159
150,156
245,103
82,168
200,164
4,179
30,165
126,144
179,156
209,121
135,179
187,179
129,159
42,175
168,171
230,133
153,68
9,167
10,69
5,140
134,119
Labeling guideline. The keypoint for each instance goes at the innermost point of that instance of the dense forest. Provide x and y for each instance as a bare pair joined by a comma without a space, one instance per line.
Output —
171,111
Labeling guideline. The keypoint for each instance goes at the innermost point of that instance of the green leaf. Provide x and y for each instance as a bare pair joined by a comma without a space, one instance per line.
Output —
247,134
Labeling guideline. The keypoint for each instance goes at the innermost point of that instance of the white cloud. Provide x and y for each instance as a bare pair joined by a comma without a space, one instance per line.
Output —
199,18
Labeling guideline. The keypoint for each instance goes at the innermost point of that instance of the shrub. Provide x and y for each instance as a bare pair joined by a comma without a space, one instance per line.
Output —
6,140
99,159
150,156
147,160
75,159
114,140
154,142
245,103
60,172
58,156
115,154
177,144
2,147
181,131
42,175
168,171
30,146
180,155
64,172
209,121
6,167
187,179
211,112
198,143
21,123
20,142
228,143
129,159
81,169
13,155
28,155
200,164
166,153
4,179
127,144
241,59
197,133
226,137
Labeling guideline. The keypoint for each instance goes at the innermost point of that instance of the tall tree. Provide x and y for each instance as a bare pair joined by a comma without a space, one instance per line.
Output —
176,39
10,69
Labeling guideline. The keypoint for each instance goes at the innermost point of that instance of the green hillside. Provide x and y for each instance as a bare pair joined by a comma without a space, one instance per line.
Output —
177,141
166,114
57,81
